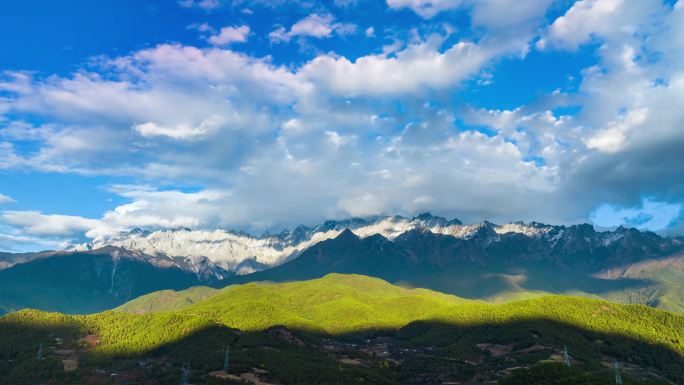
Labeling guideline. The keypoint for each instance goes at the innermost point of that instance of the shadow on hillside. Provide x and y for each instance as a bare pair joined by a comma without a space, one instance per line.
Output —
88,282
472,282
501,281
426,350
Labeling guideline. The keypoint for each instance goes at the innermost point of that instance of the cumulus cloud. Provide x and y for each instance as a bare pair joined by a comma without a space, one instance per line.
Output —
508,15
425,8
492,14
364,205
150,208
613,137
419,66
315,25
180,131
229,35
36,223
5,199
23,243
611,19
632,115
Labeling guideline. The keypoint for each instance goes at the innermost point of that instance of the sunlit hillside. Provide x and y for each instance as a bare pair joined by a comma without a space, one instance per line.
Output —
349,308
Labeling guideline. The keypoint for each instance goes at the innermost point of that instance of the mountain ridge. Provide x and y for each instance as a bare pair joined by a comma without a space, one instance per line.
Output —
229,249
484,260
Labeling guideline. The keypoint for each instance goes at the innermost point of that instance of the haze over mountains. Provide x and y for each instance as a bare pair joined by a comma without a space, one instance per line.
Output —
483,260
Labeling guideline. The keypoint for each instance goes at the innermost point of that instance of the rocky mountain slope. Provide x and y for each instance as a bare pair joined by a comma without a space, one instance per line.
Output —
86,282
240,253
486,264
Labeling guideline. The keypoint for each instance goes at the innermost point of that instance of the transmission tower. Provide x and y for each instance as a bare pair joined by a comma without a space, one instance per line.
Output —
226,360
39,354
186,373
567,360
618,379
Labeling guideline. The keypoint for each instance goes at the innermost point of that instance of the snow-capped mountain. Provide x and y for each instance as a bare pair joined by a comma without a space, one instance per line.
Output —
241,253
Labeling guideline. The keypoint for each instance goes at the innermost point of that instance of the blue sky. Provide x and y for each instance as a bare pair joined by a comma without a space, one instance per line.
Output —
258,115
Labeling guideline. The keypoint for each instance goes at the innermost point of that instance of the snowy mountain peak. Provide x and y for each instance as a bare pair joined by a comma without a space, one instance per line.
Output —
241,253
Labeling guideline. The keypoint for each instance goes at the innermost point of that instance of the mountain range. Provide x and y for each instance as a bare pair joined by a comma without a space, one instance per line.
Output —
478,261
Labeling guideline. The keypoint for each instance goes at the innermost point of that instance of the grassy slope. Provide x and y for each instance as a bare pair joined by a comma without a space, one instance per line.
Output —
168,300
339,304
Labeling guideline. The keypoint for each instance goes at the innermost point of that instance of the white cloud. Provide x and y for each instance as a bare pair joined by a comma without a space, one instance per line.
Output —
492,14
203,27
182,130
162,209
345,3
418,67
365,205
5,199
506,15
23,243
602,19
229,35
36,223
613,137
206,5
580,22
425,8
315,25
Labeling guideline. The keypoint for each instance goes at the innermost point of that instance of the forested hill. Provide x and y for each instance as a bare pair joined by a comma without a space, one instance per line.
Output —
288,326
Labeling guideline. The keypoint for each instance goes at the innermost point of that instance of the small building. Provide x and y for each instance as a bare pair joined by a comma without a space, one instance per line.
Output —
70,364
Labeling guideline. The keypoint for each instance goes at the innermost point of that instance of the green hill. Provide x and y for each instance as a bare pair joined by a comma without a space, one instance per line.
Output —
351,309
168,300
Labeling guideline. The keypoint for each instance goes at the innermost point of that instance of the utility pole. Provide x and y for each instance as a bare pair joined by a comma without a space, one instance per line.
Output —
226,360
567,360
39,355
618,379
186,374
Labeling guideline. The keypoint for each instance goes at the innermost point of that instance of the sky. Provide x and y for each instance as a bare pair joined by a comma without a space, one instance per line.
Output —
261,115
